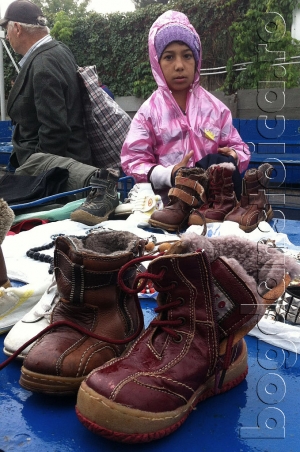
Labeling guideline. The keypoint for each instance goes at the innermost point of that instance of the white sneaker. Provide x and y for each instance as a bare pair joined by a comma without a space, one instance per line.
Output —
32,323
143,207
15,302
126,207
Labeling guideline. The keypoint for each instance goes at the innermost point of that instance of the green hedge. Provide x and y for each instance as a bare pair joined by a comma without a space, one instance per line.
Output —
118,43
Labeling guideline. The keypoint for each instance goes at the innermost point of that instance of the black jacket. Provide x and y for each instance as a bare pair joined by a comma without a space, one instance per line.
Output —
45,106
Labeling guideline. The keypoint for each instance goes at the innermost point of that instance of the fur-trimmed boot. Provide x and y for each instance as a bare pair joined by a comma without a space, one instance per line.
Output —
188,193
254,206
6,219
4,280
208,301
221,197
94,320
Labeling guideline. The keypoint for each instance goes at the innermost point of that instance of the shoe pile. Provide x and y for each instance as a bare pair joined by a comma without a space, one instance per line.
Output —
136,386
200,197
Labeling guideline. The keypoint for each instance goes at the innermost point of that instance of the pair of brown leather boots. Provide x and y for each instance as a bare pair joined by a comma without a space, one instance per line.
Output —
135,385
207,196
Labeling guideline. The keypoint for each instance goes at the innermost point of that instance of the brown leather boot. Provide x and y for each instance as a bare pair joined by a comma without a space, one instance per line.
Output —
188,193
193,349
94,319
221,197
254,206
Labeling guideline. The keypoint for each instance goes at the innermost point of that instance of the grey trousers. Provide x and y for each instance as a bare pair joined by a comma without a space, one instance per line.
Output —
79,173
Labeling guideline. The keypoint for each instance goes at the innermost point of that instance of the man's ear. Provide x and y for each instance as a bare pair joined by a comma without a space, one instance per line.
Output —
18,28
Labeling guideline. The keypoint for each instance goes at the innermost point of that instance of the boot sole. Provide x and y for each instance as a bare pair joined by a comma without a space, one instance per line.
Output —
81,216
49,384
202,223
121,423
167,227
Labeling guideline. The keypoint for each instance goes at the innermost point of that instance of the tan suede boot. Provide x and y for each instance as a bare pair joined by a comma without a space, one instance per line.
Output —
254,206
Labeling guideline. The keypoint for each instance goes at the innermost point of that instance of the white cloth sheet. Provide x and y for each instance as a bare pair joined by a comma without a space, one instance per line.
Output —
22,268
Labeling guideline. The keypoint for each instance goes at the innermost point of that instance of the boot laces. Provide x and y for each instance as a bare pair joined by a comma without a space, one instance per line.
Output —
146,203
96,191
83,331
45,307
135,192
166,324
140,283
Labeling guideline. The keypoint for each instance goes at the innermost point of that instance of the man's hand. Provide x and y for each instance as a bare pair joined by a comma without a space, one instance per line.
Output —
183,162
228,151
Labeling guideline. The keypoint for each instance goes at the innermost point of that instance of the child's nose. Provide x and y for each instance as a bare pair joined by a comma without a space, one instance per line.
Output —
179,63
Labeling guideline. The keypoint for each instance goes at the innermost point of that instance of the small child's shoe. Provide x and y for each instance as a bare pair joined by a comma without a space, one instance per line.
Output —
126,208
143,207
32,323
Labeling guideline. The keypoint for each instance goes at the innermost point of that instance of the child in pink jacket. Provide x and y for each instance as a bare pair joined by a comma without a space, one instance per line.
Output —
180,124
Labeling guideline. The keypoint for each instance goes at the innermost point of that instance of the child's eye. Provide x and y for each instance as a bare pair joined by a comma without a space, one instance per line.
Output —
188,56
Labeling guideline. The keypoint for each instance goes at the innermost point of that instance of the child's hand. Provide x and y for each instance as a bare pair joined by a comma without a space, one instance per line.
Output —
183,162
228,151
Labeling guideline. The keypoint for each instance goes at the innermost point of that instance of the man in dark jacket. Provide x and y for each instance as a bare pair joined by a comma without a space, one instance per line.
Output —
46,107
45,104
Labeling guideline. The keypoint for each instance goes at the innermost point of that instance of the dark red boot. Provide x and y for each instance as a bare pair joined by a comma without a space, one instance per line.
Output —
221,197
194,349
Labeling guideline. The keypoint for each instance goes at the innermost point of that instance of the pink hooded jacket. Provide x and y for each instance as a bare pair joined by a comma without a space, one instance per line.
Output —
161,134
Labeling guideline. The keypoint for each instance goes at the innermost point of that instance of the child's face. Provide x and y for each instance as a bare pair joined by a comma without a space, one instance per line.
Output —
178,66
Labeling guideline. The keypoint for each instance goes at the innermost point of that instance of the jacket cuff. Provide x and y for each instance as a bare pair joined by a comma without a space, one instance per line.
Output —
161,177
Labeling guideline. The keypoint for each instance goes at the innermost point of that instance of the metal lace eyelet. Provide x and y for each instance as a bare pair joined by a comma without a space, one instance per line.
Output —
174,284
183,320
178,339
164,267
182,301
